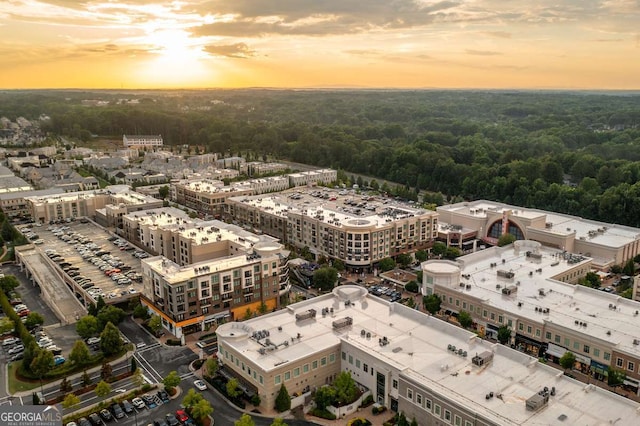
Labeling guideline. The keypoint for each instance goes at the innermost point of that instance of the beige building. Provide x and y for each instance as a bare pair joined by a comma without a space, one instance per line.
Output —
106,206
206,196
607,244
142,141
333,224
224,273
313,177
434,372
531,289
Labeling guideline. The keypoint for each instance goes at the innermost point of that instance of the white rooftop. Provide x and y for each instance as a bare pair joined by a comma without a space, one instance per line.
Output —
418,348
536,288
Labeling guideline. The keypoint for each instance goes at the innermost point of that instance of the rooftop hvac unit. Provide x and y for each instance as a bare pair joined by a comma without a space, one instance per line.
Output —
482,359
505,274
342,322
538,400
311,313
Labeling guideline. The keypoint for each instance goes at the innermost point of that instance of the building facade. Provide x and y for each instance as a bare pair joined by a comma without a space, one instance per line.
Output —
142,141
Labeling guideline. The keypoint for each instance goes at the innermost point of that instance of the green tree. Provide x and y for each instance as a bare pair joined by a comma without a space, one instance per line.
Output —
110,314
404,259
324,397
245,420
283,400
110,340
100,304
568,360
8,283
615,377
42,363
346,388
465,320
87,326
106,371
591,280
411,286
172,380
102,389
140,312
34,319
506,239
248,313
421,255
192,398
70,400
386,264
155,324
210,367
65,385
402,420
6,325
163,191
325,278
452,253
233,391
137,378
80,354
439,248
201,410
432,303
86,379
504,334
262,309
134,365
338,265
278,421
629,268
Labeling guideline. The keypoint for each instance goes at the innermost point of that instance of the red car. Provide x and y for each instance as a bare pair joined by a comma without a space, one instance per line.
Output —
24,313
182,416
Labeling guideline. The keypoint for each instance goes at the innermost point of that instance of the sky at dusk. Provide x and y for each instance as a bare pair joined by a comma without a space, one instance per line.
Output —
571,44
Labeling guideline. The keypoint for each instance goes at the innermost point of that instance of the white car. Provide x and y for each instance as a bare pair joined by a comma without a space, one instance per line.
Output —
200,385
138,403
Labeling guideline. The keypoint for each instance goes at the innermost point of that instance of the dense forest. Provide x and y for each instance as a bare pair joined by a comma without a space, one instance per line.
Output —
570,152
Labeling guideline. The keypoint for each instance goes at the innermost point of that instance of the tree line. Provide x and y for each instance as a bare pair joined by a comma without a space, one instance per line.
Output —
570,152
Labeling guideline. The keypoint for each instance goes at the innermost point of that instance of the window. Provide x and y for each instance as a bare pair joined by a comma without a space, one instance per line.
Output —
596,352
576,345
394,384
619,362
277,380
287,376
521,326
419,399
305,368
427,404
365,367
447,415
537,332
357,363
351,359
607,356
457,420
344,356
323,361
630,366
409,394
547,335
567,342
585,349
332,358
557,338
314,364
437,410
528,329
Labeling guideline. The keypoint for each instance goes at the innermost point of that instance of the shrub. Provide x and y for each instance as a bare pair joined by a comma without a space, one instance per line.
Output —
174,342
359,421
367,401
377,409
323,414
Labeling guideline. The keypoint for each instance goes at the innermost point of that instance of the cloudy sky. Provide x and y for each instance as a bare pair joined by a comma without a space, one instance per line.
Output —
592,44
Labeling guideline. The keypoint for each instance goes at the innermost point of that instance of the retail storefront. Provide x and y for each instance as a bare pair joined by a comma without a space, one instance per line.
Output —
555,352
599,371
529,346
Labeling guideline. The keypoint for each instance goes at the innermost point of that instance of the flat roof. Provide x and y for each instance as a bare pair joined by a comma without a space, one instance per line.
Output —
418,347
608,317
337,207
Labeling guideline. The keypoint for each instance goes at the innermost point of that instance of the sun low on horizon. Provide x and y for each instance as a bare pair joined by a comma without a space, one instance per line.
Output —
573,44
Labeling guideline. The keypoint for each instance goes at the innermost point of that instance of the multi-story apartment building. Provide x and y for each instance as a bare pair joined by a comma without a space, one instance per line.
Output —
206,196
532,290
313,177
607,244
14,204
106,206
221,272
142,141
434,372
258,168
334,224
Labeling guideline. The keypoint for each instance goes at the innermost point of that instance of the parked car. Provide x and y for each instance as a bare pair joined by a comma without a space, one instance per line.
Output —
171,420
127,407
149,400
138,403
106,415
116,410
82,421
16,349
95,419
164,396
200,385
183,418
58,360
93,340
10,341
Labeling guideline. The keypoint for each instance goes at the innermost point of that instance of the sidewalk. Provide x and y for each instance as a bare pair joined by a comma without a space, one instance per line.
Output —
55,383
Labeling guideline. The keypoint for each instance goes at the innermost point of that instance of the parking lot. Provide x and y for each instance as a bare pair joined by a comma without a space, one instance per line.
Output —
87,258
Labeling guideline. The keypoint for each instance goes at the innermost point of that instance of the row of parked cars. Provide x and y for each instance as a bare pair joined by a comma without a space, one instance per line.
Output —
125,246
393,295
14,347
148,401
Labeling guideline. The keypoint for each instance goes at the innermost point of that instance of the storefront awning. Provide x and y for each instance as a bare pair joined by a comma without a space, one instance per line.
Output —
555,350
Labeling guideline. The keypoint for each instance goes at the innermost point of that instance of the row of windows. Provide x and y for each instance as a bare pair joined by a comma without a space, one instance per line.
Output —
631,366
304,369
435,409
